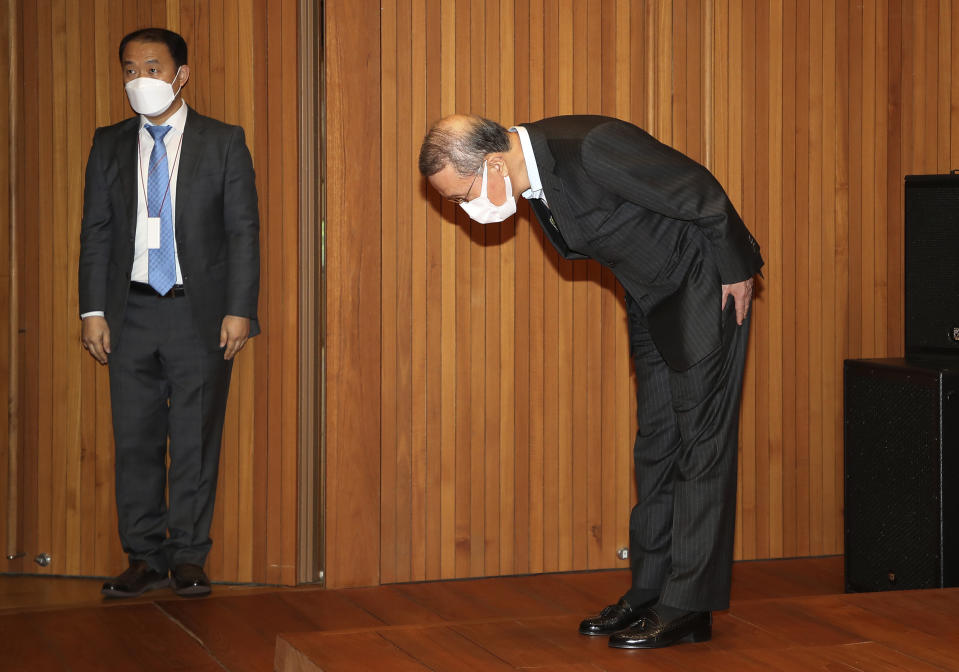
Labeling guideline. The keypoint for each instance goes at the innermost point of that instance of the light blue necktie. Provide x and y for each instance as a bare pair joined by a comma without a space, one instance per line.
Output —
162,261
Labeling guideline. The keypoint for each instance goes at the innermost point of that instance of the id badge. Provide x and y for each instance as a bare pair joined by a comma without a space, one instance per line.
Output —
153,233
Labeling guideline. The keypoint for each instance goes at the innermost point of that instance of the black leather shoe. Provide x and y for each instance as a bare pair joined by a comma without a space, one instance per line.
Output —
136,580
190,581
614,618
651,632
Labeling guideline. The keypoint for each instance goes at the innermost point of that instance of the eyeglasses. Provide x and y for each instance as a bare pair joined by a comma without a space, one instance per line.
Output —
464,198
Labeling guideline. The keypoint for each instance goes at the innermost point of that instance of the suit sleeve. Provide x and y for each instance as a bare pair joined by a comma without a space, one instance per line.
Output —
95,232
242,222
632,164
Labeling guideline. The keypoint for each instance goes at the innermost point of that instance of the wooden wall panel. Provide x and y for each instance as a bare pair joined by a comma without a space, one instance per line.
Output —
10,66
71,84
354,310
506,398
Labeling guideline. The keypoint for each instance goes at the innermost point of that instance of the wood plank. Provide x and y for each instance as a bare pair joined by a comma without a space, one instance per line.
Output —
241,631
388,314
290,659
226,517
755,413
868,656
478,599
774,248
331,653
85,639
68,181
405,299
10,119
898,124
507,401
436,420
49,462
426,474
475,269
788,283
259,144
392,606
353,298
444,649
271,259
449,361
743,183
804,169
520,645
85,402
490,509
25,646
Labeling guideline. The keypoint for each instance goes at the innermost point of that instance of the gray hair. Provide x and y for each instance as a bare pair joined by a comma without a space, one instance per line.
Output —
464,145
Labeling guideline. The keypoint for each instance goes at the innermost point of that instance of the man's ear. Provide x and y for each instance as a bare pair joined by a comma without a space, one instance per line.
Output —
497,162
184,75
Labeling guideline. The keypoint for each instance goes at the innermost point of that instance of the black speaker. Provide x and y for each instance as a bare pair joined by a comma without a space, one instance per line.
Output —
901,473
932,265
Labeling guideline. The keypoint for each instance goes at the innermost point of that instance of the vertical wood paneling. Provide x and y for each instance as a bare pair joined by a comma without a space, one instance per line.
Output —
496,436
355,295
66,436
10,123
809,113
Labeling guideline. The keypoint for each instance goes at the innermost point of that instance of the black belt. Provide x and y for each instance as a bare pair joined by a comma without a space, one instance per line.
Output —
144,288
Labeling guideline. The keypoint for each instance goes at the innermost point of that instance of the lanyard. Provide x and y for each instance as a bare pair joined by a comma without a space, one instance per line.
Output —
150,169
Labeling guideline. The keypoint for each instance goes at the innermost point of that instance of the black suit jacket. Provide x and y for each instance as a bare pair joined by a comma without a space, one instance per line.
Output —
216,223
658,219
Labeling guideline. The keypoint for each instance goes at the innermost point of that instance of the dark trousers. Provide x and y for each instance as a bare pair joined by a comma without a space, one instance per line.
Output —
685,455
165,384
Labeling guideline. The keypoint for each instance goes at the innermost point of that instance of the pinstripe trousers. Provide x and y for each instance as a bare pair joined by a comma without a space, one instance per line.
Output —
685,456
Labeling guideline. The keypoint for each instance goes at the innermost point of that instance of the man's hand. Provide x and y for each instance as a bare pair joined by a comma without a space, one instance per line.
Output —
742,293
95,336
234,333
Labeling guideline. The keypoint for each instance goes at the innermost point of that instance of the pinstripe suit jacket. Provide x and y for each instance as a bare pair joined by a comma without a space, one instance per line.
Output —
659,220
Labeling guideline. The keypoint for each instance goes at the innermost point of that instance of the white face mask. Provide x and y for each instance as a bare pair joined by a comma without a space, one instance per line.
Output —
150,96
482,210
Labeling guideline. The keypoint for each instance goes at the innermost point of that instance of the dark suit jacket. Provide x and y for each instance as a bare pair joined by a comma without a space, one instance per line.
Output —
216,222
658,219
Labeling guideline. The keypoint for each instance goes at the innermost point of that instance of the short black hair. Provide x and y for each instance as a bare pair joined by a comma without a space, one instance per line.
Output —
464,149
175,43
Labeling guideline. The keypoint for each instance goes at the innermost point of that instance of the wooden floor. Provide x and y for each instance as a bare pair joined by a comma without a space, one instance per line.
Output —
785,615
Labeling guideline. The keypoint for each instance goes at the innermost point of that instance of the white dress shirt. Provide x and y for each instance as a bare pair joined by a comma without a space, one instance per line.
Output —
174,142
535,184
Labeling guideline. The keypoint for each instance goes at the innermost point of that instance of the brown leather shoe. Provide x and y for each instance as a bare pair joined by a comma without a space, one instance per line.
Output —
136,580
614,618
190,581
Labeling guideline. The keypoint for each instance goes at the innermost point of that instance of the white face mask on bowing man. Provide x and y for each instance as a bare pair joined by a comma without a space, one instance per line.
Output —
483,210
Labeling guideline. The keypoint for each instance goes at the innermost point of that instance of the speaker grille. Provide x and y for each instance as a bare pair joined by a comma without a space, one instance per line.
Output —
932,264
893,487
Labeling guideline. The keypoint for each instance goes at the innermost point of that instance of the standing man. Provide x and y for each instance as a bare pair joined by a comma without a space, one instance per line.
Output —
605,189
169,277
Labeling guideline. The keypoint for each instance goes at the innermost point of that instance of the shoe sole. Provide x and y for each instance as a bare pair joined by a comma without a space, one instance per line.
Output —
703,634
192,591
117,594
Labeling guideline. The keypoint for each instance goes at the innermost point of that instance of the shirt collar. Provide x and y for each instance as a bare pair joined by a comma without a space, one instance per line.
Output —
532,172
177,120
